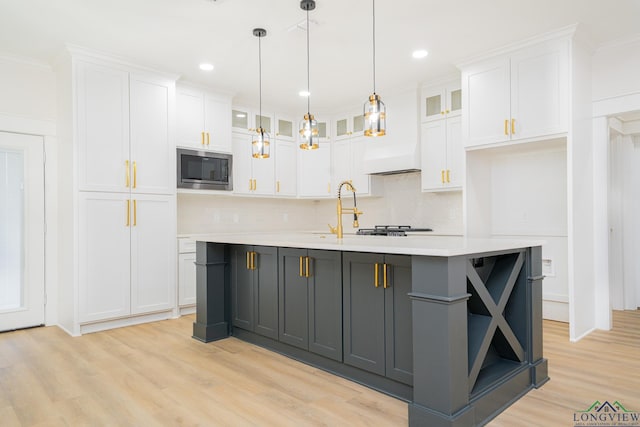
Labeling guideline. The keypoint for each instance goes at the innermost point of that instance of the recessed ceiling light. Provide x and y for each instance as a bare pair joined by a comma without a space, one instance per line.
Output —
206,67
241,115
304,93
419,54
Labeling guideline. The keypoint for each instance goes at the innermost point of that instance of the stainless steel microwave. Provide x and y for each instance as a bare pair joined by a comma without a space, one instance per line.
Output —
204,170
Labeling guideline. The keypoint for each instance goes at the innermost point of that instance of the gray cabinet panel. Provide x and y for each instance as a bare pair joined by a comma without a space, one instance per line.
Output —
364,343
265,288
241,288
293,295
311,300
398,322
325,304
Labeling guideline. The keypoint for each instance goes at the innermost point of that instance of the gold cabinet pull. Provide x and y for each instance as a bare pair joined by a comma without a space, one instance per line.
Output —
248,260
135,175
202,137
255,184
128,212
135,213
301,273
253,260
513,126
329,188
448,175
208,138
128,173
506,127
446,111
306,274
375,275
384,275
277,186
442,176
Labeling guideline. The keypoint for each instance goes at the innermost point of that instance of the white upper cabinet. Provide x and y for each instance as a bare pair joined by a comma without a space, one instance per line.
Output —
103,128
348,165
246,120
124,129
286,129
442,155
314,172
441,101
251,175
286,170
152,150
520,96
203,120
348,125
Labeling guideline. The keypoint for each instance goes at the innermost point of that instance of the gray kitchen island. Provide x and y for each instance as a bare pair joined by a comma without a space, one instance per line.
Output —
452,325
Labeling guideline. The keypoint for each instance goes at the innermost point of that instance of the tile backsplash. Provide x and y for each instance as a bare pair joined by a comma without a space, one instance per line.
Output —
402,203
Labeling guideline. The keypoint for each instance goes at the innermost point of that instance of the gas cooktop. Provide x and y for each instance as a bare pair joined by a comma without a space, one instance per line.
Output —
389,230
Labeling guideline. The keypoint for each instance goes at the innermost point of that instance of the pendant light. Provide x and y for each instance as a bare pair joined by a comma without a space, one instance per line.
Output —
260,145
375,112
308,125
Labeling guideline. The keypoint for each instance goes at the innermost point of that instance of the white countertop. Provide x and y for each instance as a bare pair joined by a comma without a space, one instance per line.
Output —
423,244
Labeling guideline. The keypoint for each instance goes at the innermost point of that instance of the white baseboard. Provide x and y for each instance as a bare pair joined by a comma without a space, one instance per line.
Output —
128,321
555,310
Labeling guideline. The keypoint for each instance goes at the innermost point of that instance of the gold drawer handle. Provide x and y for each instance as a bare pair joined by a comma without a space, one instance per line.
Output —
384,276
513,126
506,127
301,273
375,275
128,212
307,267
128,173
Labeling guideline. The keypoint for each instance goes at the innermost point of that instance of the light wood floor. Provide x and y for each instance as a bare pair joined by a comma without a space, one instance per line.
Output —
156,374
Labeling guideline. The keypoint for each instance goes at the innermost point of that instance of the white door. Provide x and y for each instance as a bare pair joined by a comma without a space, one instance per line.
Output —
104,256
186,279
455,152
359,178
242,175
21,231
152,156
433,151
264,175
153,253
341,166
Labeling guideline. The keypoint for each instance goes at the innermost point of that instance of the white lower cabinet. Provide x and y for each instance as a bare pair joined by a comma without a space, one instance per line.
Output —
126,256
186,273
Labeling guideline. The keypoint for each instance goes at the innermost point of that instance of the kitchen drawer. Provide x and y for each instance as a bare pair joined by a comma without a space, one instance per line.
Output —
186,245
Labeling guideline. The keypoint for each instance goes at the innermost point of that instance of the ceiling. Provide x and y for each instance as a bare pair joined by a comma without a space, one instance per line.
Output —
176,35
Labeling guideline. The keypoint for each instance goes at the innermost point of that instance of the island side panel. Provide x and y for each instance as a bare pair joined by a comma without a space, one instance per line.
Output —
440,368
212,292
534,277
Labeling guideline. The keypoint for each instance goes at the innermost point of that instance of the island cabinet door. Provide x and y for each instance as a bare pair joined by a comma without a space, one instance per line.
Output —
325,303
293,290
399,332
242,287
264,264
363,299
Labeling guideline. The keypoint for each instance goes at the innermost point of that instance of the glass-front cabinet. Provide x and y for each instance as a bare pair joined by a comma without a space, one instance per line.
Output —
246,120
441,101
348,125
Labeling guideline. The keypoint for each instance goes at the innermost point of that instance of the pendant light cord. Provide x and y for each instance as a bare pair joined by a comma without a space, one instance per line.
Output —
308,72
374,47
260,77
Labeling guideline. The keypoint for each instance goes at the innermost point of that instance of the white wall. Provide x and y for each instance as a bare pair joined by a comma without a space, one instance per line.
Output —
520,192
616,68
28,89
402,203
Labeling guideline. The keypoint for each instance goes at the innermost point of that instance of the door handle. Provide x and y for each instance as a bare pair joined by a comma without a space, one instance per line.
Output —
248,260
128,173
208,138
448,175
506,127
135,213
385,283
307,267
301,273
135,174
442,176
253,260
376,276
128,212
513,126
202,138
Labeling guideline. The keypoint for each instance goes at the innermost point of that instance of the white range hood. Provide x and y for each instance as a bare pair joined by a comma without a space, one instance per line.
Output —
399,150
